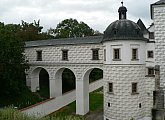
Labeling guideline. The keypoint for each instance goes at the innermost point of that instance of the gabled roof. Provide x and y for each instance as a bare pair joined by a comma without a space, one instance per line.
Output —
160,2
65,41
142,26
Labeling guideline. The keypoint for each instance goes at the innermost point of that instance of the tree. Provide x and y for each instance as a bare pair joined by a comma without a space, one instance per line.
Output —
71,28
32,31
12,61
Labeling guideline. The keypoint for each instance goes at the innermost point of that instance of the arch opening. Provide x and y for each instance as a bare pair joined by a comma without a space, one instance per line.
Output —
95,74
96,96
84,87
40,82
43,84
68,81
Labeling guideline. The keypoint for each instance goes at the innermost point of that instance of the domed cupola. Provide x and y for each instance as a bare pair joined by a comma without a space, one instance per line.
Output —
123,29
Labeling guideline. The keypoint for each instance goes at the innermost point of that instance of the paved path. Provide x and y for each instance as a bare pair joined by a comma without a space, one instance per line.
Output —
97,115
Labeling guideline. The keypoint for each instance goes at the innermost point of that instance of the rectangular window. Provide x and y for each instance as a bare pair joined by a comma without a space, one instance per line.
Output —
64,54
116,54
104,54
109,105
150,71
150,54
95,54
151,35
110,87
39,55
134,87
134,54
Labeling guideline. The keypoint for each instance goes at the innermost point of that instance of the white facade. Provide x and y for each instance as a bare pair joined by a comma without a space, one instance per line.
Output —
120,100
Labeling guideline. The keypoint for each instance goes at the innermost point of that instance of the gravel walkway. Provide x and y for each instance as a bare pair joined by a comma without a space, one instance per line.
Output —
97,115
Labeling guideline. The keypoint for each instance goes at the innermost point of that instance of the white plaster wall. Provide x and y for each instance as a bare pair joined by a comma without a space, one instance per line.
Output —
124,105
125,51
76,54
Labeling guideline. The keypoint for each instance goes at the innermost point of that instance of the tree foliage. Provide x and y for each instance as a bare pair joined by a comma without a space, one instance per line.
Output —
12,60
32,31
71,28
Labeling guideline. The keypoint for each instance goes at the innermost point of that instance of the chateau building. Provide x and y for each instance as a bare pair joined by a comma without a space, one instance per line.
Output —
131,56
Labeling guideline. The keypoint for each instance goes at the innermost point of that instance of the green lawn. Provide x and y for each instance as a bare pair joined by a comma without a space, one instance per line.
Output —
95,102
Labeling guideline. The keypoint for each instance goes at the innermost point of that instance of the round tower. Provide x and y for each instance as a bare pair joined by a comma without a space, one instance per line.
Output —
125,96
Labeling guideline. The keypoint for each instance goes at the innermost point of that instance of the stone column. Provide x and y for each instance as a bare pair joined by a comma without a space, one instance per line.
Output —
35,83
28,81
55,85
82,97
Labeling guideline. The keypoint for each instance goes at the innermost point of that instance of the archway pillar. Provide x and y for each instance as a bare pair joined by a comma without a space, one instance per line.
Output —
55,87
82,97
28,81
35,83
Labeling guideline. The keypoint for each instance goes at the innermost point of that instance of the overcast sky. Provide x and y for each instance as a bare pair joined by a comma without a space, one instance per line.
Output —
98,14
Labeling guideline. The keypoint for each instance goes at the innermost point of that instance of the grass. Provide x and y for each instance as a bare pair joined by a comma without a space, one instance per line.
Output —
66,113
12,114
95,102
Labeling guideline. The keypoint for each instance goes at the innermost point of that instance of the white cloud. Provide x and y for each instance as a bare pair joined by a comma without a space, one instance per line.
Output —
98,14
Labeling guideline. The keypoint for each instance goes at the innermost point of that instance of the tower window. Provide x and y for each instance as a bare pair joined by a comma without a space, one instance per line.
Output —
64,54
95,54
140,105
39,55
104,54
150,54
110,87
116,54
134,54
150,71
109,105
134,88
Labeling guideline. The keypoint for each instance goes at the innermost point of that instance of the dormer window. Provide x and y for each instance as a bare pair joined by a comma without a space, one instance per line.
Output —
39,55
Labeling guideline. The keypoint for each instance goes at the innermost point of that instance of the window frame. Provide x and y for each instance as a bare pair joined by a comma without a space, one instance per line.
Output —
95,54
134,55
104,54
150,54
116,54
134,88
39,55
151,35
151,71
110,87
65,55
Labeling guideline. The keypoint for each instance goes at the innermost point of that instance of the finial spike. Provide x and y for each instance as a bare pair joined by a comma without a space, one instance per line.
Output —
122,2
